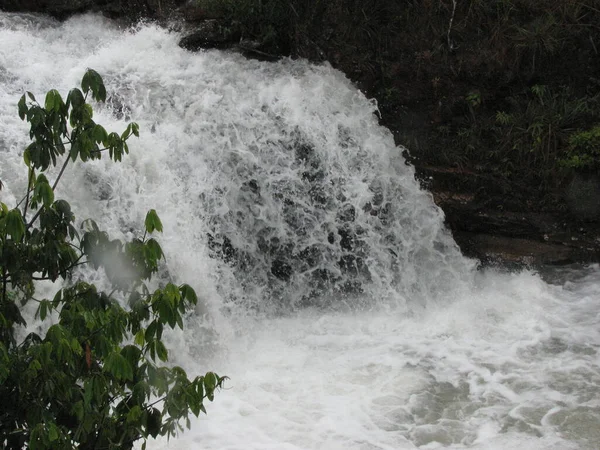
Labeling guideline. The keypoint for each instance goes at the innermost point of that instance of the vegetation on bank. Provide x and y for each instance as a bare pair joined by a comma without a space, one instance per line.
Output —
92,376
506,88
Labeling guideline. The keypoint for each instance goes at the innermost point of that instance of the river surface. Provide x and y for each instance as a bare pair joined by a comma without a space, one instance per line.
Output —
330,292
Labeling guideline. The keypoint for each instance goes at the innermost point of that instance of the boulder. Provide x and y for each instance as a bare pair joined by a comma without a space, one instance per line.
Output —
209,34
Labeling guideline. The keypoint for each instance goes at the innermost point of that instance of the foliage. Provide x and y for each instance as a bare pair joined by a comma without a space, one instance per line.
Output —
523,142
584,150
263,20
91,381
539,124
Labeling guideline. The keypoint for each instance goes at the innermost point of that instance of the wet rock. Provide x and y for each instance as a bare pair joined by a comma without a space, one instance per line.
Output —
354,266
347,214
56,8
282,270
583,196
304,152
209,34
318,196
62,9
221,247
312,256
494,249
347,238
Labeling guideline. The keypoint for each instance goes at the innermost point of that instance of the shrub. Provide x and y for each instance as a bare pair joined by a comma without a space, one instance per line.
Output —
91,381
584,150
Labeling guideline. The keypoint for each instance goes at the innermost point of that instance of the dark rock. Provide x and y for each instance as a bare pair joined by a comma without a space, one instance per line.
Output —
347,214
311,256
251,186
192,13
131,10
304,152
583,196
318,195
281,270
347,238
490,226
331,237
221,247
209,34
354,266
494,249
57,8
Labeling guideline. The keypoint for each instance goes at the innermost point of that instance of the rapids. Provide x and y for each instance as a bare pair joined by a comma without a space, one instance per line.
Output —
331,293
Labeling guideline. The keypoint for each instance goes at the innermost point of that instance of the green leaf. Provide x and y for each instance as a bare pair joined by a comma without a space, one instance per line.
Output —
118,366
161,351
125,134
152,222
57,298
150,331
132,354
15,225
210,381
134,414
188,293
88,391
22,107
92,81
153,422
52,432
95,369
99,134
43,309
76,101
78,410
53,101
154,250
88,113
139,338
26,157
47,194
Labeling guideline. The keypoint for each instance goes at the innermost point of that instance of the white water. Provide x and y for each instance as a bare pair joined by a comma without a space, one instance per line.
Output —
346,317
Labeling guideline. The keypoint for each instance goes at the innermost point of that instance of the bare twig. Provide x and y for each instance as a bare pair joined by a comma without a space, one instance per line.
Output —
593,45
450,45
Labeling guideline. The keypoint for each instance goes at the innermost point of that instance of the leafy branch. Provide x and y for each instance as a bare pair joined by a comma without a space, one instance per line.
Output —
91,381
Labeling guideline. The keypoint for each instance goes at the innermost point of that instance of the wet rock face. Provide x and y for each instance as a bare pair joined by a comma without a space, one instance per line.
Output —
56,8
583,196
491,228
299,230
209,34
126,9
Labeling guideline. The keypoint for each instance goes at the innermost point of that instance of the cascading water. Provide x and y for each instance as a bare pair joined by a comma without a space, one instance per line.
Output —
331,293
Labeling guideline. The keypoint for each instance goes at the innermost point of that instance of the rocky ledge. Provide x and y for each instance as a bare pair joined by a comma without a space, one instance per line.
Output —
489,227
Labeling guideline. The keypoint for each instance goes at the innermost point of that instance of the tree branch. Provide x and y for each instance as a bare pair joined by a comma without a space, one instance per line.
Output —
62,170
450,45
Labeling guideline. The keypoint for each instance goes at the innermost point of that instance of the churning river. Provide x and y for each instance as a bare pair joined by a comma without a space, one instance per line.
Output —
331,294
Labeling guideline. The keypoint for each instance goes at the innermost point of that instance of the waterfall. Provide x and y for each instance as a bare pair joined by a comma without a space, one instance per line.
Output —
331,292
